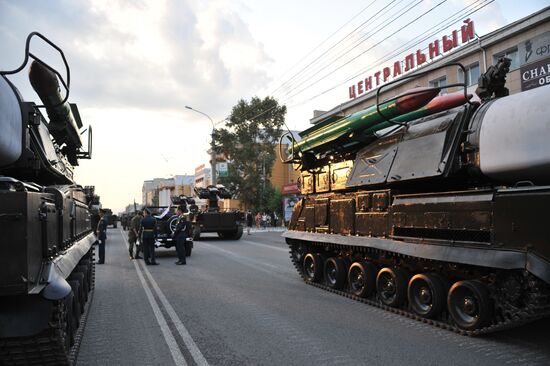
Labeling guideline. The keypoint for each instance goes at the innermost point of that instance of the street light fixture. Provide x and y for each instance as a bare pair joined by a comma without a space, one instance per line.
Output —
212,145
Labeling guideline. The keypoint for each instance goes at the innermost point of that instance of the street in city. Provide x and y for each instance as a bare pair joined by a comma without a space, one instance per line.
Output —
242,303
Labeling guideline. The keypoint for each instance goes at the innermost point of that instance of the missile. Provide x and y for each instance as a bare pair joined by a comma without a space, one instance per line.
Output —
62,125
319,139
438,104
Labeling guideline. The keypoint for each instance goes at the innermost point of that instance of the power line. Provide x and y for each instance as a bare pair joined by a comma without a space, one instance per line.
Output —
358,74
320,44
455,16
300,74
368,49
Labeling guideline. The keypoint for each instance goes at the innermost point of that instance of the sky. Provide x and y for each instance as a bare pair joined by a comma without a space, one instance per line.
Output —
136,64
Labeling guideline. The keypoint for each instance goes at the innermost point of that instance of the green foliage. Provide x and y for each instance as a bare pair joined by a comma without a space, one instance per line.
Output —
248,143
275,201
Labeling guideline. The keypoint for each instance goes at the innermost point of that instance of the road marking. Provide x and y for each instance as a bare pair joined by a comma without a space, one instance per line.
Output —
177,356
183,332
265,245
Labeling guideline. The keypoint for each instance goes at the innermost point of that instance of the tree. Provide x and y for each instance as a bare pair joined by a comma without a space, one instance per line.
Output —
248,143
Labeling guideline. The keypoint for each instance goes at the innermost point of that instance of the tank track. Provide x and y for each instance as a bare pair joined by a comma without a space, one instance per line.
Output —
538,308
48,347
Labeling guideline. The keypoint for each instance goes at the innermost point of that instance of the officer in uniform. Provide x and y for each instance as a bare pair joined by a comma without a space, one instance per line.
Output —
148,233
180,234
133,234
102,235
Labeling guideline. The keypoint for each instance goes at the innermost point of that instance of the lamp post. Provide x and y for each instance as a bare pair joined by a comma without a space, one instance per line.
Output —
212,152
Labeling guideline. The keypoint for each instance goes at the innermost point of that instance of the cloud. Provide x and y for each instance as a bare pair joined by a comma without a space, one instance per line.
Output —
152,55
134,66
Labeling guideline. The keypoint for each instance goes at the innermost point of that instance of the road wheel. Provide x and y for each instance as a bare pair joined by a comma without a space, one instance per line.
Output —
196,233
313,267
81,297
238,233
469,304
70,323
362,278
75,303
222,234
391,286
427,294
298,252
335,272
86,285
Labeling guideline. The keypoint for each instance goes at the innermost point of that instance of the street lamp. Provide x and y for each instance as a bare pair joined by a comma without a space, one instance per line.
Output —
212,152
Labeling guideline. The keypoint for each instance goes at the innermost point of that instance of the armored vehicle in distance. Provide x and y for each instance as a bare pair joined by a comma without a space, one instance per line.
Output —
430,206
228,225
47,262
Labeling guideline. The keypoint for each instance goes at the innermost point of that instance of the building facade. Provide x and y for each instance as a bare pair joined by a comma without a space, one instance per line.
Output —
526,42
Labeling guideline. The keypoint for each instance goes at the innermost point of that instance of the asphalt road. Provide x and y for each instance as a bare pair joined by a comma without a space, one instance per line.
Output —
242,303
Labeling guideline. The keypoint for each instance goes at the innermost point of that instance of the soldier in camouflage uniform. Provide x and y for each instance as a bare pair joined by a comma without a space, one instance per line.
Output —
133,235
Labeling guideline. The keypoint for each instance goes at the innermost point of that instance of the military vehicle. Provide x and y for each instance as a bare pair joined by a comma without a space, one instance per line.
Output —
111,217
167,220
430,206
228,225
47,261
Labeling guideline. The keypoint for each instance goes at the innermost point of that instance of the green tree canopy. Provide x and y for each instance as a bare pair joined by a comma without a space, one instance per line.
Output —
248,142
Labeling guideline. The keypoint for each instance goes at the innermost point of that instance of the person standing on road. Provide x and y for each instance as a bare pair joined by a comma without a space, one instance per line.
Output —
102,235
181,234
258,219
133,235
148,233
249,220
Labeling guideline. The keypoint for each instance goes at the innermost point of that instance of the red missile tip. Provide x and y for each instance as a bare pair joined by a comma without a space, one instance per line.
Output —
415,98
447,101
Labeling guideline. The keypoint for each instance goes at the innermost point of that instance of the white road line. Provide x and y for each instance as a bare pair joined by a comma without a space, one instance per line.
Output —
187,339
177,356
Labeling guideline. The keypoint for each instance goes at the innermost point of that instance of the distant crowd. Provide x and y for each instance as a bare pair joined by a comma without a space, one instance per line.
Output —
263,219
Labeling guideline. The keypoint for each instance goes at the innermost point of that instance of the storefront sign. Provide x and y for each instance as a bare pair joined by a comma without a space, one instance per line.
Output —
290,188
222,170
413,60
535,74
534,49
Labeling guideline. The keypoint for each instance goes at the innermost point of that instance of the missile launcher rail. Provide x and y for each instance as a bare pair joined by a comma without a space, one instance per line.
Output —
438,215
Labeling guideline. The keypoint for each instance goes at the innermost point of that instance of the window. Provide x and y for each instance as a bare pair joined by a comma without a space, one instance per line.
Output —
472,74
440,83
512,54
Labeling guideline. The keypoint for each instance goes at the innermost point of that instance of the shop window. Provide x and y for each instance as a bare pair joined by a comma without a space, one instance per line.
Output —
440,83
472,74
512,54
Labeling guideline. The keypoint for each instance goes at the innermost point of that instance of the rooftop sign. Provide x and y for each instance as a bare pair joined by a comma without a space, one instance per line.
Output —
413,60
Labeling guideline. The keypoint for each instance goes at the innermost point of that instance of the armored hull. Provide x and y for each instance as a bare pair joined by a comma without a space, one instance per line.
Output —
442,220
47,264
228,225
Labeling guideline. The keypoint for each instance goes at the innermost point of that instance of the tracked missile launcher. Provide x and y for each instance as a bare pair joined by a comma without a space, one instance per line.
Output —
436,211
46,261
228,225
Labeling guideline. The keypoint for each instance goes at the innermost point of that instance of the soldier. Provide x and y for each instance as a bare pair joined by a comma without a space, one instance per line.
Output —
180,234
102,235
133,235
249,220
148,233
